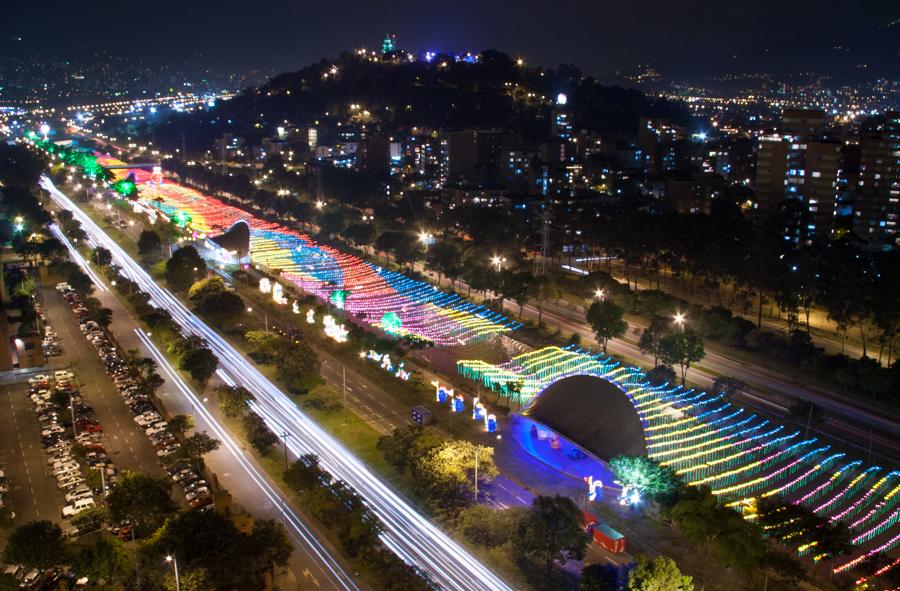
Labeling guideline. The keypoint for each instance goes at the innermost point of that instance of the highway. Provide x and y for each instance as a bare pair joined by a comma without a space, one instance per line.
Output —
248,485
407,532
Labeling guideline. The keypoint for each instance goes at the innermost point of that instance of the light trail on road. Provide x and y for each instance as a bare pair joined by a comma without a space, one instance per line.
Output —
318,552
414,537
330,567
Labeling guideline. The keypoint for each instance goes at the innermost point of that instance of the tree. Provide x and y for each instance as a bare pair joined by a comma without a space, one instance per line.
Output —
488,527
682,348
209,541
91,519
272,543
205,287
305,474
298,367
607,320
332,222
604,577
361,234
258,433
552,531
443,258
645,475
184,268
660,574
324,398
106,560
447,471
149,245
543,289
233,399
195,447
142,500
405,444
102,256
199,362
651,337
179,424
225,307
36,544
514,285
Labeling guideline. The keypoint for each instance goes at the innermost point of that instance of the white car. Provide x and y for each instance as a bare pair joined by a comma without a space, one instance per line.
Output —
145,420
66,470
52,430
63,374
78,492
156,428
70,482
77,507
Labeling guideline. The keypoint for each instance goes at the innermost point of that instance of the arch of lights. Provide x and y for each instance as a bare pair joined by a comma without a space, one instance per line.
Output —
391,301
740,456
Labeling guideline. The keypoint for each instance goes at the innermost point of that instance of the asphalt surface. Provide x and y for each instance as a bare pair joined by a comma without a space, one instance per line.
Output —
407,532
127,446
32,490
306,566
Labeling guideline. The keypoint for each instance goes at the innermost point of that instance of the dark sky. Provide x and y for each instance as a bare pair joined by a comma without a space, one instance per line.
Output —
599,36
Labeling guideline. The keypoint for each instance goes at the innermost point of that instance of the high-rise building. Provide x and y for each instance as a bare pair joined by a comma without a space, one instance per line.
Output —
562,119
474,155
877,204
373,155
800,172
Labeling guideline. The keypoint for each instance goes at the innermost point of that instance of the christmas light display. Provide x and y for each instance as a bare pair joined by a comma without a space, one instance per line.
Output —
400,306
742,457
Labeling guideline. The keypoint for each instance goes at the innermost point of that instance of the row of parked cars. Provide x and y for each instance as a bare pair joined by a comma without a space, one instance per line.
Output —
146,414
70,451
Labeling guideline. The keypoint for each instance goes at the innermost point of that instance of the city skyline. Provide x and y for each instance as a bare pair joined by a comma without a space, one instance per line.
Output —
694,41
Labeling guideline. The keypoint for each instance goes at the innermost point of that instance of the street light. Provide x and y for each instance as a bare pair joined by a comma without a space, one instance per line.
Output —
175,565
498,261
679,320
599,294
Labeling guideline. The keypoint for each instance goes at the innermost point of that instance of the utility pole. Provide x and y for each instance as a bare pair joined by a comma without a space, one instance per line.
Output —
72,409
545,239
476,473
344,385
137,573
183,147
284,436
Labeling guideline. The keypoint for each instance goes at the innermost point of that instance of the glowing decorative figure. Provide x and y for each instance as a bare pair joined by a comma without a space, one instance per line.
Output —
593,486
336,331
477,410
490,423
295,307
401,306
265,286
338,297
391,322
459,403
562,99
278,294
311,316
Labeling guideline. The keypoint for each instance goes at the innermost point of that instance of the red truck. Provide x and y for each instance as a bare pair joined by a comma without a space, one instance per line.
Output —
605,536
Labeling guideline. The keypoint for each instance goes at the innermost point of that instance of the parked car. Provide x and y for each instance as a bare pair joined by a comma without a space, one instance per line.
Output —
77,507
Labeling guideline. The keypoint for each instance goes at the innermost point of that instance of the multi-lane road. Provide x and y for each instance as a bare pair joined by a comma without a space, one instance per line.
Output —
407,532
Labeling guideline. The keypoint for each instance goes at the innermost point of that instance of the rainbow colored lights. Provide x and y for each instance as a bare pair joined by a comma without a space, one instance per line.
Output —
371,294
742,457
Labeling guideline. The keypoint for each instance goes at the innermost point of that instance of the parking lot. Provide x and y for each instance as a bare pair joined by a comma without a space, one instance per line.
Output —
125,443
32,491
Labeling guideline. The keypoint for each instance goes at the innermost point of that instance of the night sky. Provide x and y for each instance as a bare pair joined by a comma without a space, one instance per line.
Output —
600,36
